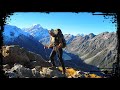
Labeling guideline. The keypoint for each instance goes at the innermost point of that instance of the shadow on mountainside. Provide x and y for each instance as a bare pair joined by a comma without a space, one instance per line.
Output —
78,63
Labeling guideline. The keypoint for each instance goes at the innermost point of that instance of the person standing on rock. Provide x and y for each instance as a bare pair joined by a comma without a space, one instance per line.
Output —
57,42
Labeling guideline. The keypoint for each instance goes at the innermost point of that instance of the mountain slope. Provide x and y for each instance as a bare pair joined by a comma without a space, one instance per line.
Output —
15,36
12,32
99,50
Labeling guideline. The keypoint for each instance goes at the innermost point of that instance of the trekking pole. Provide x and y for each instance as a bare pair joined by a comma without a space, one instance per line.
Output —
56,49
46,53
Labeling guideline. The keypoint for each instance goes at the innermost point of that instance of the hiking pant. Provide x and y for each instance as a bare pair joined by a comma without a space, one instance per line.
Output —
59,52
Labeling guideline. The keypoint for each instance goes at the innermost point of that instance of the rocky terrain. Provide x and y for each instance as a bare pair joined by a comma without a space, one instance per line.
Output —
19,63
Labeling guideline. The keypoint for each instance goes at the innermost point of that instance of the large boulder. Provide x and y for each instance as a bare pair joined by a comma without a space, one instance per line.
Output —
14,54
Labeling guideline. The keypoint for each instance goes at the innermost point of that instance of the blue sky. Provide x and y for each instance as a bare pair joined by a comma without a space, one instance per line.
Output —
68,22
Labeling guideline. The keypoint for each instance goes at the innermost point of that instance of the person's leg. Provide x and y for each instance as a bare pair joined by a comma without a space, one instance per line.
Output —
60,52
52,55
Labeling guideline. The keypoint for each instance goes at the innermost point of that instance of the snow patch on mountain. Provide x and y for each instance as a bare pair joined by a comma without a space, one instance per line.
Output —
37,31
12,32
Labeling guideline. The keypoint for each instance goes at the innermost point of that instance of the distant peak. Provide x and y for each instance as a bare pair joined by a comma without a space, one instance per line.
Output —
91,34
36,25
80,35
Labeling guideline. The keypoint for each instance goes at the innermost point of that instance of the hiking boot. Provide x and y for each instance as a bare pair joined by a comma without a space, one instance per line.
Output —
64,71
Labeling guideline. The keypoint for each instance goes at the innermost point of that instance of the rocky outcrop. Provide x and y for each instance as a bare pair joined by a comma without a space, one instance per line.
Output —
14,54
51,72
19,71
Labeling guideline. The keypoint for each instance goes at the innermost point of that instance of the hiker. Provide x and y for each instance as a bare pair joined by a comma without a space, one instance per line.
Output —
56,43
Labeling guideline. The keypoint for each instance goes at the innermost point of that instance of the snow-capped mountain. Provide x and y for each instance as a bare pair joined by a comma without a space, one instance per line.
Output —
27,38
13,35
12,32
37,31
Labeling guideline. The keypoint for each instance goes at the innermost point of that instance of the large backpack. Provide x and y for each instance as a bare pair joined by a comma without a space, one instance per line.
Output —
59,35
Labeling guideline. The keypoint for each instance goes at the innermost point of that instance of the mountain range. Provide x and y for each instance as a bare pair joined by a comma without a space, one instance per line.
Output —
83,51
98,50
